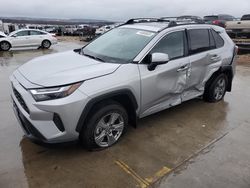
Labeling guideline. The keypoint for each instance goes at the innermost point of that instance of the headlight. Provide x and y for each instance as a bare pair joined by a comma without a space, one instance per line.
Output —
54,93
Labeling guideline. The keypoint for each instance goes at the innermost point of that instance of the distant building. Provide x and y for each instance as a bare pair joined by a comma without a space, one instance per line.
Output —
59,26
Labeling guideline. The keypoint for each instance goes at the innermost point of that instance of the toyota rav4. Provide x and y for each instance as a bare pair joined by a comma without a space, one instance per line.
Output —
137,69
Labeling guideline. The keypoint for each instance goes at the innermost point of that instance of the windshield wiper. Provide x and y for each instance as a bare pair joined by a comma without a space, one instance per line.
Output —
93,57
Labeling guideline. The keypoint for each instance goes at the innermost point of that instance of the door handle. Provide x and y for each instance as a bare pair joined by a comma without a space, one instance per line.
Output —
182,68
215,58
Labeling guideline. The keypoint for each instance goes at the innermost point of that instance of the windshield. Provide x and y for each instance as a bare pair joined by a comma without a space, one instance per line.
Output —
120,45
2,34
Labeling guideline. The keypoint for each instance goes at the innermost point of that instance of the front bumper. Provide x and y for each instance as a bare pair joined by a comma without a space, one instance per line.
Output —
51,121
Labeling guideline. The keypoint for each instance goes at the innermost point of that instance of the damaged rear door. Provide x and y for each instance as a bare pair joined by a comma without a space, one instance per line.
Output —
204,61
163,87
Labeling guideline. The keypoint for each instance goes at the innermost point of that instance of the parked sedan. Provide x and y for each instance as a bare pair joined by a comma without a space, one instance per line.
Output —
27,38
103,29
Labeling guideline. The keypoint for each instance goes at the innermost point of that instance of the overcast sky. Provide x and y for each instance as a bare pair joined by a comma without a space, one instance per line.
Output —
120,9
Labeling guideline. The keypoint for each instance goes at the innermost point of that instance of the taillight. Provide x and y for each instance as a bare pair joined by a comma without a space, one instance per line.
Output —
236,50
216,22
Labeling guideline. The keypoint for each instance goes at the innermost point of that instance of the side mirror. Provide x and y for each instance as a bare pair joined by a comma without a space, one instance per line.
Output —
157,59
14,36
78,50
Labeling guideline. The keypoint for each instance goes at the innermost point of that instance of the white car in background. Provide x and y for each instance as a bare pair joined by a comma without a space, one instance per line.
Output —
2,34
27,38
103,29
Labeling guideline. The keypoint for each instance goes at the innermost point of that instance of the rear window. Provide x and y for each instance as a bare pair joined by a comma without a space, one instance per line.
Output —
226,17
198,40
210,18
245,17
218,40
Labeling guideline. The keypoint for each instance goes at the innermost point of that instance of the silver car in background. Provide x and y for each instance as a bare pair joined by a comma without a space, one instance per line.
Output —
137,69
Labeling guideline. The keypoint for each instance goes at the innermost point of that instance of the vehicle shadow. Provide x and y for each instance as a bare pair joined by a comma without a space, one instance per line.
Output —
164,139
20,56
243,52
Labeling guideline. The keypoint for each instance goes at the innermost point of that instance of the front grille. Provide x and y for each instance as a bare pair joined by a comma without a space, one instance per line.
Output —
26,124
29,128
20,100
237,30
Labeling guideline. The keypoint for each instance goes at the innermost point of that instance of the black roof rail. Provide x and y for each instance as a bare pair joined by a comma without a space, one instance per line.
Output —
143,20
170,20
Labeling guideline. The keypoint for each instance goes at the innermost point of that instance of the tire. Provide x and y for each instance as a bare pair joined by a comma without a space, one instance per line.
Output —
5,46
46,44
216,89
101,131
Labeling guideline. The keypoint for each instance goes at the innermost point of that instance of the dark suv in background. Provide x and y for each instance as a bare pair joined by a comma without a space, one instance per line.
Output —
219,19
196,19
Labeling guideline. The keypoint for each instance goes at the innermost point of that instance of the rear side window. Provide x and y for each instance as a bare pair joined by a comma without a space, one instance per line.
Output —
36,33
219,42
212,41
172,44
198,40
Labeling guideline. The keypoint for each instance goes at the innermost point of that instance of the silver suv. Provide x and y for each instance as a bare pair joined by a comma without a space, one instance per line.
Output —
137,69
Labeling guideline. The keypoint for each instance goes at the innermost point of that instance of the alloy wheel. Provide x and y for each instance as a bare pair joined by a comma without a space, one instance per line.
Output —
220,89
109,129
5,46
46,44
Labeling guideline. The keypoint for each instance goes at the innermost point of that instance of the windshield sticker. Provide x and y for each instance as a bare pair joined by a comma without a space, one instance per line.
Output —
145,33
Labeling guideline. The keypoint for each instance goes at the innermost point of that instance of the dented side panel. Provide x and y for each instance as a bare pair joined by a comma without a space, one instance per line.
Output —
166,86
162,88
202,67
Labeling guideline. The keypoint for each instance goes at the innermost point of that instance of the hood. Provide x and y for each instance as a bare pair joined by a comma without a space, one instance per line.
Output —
3,34
64,68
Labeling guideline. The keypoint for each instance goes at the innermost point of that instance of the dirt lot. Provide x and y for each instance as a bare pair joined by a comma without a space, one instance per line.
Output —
159,153
68,38
244,59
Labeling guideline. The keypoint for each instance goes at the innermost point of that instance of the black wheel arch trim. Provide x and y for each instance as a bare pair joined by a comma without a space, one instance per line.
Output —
100,98
228,69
